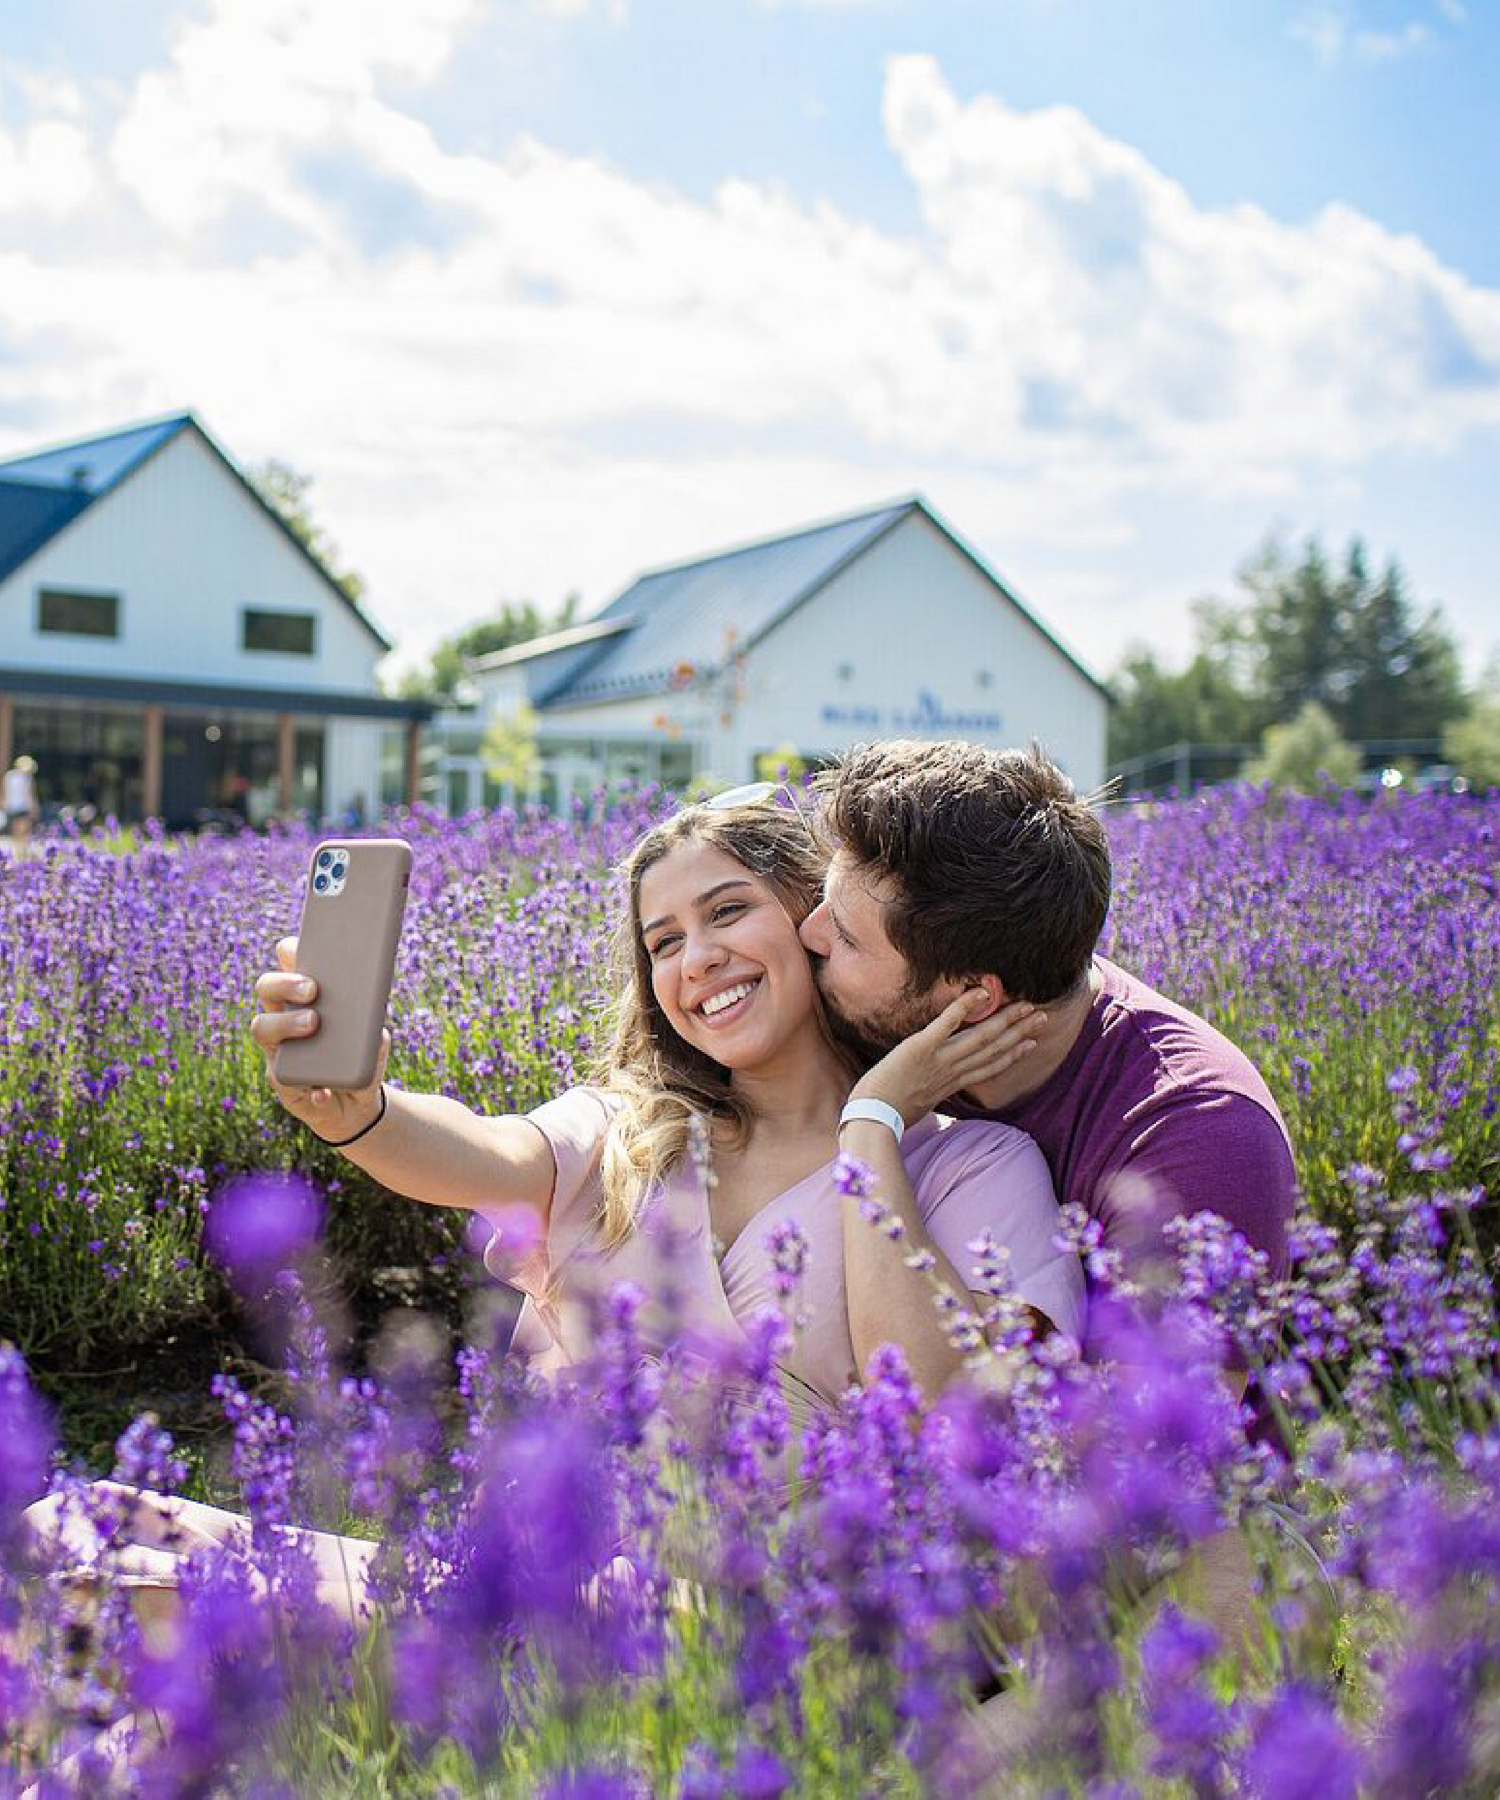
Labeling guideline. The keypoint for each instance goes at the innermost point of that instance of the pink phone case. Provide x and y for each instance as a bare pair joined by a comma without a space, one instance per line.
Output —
351,924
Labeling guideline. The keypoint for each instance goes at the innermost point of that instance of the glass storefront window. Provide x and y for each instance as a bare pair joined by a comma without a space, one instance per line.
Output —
87,758
218,768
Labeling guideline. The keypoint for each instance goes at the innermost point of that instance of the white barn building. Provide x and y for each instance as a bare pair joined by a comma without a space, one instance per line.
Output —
169,648
885,624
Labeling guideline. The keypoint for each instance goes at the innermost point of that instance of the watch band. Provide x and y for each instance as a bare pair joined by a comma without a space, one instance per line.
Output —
878,1112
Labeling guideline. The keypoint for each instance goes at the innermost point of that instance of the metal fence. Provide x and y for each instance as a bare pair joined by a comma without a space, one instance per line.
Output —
1180,768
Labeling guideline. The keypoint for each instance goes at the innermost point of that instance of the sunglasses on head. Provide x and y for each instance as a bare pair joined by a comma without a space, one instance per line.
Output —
752,793
780,794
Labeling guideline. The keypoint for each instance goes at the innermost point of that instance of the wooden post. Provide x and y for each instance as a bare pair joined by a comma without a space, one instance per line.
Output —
7,731
151,720
413,760
286,763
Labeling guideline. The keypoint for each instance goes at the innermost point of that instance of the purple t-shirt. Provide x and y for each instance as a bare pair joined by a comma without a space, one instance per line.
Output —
1154,1113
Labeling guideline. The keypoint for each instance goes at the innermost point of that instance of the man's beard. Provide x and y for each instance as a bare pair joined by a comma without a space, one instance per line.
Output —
870,1035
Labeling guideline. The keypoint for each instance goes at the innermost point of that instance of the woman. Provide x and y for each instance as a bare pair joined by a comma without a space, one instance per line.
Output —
719,1033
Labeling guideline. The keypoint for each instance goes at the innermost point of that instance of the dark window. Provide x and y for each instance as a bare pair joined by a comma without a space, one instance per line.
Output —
78,615
292,634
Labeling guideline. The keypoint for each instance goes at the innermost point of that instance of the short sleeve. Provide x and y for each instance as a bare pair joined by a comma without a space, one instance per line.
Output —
991,1177
1206,1152
574,1125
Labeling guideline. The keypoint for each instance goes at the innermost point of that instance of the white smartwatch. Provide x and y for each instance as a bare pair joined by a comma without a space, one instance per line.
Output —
877,1111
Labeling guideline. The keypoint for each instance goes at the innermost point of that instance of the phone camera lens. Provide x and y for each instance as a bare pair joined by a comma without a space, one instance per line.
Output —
320,882
324,858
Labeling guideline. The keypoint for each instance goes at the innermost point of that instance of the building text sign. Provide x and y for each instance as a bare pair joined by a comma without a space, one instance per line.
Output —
928,716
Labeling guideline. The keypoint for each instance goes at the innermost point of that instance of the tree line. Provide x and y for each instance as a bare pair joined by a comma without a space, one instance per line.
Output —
1326,639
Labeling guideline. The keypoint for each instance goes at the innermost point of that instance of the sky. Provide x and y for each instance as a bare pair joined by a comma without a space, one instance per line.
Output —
542,293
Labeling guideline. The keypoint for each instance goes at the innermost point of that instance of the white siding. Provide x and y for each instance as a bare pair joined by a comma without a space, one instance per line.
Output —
917,626
186,548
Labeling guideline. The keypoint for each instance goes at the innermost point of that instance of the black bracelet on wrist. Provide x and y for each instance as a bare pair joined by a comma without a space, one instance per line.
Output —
340,1143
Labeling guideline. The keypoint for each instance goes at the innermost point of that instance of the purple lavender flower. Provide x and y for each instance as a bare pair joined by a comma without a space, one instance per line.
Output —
787,1245
758,1774
145,1456
260,1225
851,1176
1299,1751
26,1432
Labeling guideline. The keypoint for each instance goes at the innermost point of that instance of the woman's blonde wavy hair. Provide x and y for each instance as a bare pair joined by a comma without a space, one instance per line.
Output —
665,1083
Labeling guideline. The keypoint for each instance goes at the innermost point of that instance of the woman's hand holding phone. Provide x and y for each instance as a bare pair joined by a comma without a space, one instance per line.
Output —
288,1010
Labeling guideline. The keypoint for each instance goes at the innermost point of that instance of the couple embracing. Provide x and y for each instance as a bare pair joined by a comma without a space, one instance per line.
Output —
786,993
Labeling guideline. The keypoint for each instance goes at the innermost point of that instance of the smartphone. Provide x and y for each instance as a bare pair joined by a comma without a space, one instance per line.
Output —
351,924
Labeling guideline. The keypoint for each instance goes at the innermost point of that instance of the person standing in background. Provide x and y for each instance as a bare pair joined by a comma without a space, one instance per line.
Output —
19,799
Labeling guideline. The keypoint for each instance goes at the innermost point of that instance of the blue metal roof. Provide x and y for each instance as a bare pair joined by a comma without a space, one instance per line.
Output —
29,515
698,613
93,465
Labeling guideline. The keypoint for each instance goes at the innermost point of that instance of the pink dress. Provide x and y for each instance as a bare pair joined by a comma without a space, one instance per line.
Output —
968,1177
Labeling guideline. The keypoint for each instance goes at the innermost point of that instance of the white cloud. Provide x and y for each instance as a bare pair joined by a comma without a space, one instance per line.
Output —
46,168
45,164
1335,33
527,371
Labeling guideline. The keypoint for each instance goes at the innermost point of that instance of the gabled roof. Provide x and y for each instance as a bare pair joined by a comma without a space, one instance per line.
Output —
44,492
696,614
699,612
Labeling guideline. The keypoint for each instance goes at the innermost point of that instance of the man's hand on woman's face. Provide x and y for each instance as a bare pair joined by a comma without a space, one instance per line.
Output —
950,1055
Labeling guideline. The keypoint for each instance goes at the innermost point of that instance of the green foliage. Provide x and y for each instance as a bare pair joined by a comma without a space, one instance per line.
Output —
1306,755
1155,706
516,622
509,750
1472,743
284,489
1305,629
1348,639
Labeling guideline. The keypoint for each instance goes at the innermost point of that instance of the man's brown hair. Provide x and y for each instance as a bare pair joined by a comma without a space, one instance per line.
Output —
990,862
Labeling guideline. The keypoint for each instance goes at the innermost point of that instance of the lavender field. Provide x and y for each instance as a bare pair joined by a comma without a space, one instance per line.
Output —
675,1580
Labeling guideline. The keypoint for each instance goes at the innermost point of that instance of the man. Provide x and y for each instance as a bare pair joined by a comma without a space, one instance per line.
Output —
959,867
